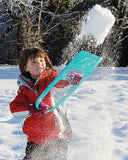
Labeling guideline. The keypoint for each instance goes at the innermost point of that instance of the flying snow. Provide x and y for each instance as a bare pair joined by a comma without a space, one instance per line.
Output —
99,22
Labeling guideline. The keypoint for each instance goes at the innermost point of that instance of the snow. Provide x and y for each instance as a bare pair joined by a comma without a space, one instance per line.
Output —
99,22
98,112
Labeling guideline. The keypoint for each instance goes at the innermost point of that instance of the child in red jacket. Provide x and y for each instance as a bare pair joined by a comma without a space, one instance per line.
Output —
48,132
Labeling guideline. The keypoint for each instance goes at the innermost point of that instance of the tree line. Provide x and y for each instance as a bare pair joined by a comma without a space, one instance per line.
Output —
53,25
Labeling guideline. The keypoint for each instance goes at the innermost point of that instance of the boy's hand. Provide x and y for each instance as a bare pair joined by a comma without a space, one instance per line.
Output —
74,79
32,109
44,108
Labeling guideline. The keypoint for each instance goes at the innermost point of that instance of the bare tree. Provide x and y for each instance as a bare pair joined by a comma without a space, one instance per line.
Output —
42,22
52,24
112,47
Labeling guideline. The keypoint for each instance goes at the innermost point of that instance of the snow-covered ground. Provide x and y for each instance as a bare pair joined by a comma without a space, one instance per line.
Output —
98,112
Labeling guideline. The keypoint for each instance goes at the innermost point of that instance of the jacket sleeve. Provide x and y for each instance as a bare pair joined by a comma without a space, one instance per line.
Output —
19,106
61,83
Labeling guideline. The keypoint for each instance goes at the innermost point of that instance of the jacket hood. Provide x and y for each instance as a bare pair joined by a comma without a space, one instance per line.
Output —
30,83
24,81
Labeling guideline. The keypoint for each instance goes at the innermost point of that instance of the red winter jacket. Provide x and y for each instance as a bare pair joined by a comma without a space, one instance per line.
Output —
39,128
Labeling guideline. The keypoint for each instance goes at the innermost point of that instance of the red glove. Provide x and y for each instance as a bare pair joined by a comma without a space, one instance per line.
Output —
32,109
44,108
74,79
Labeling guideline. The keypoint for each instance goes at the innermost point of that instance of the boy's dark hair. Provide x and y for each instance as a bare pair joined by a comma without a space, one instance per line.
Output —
32,53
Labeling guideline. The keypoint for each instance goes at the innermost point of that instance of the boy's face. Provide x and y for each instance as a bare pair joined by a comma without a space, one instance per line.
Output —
35,66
